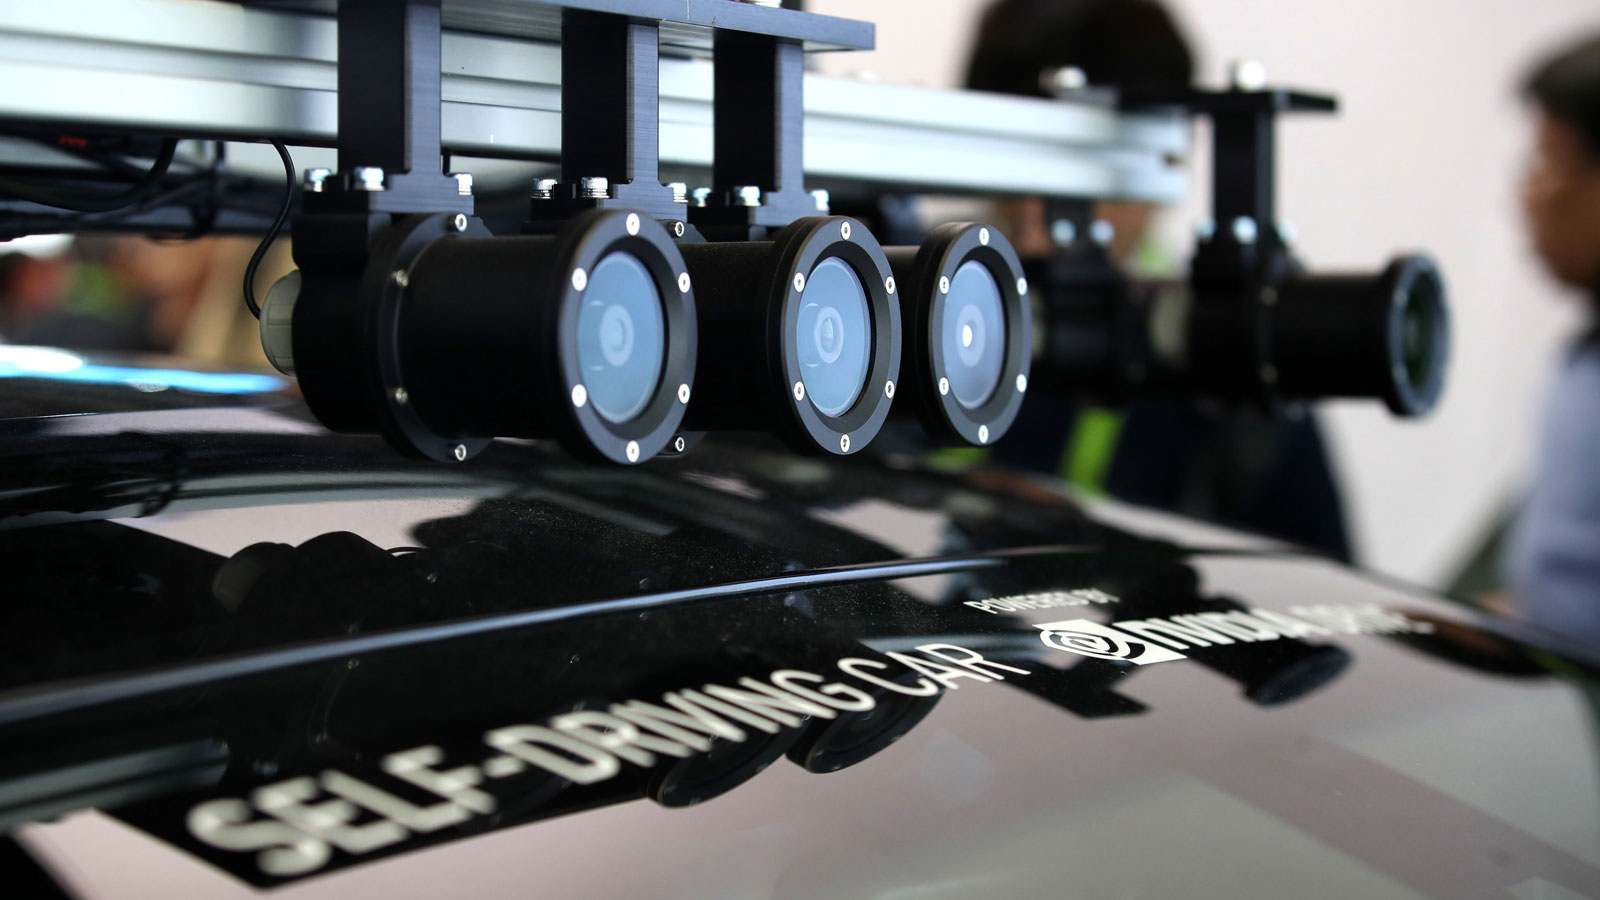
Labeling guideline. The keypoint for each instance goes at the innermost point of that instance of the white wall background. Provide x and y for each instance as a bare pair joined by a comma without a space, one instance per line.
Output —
1423,154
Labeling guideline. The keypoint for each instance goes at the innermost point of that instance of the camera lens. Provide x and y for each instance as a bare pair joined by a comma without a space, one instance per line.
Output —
834,336
974,335
621,337
965,299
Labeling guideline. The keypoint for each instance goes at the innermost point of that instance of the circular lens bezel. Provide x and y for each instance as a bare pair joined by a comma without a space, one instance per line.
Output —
945,251
585,241
799,248
1407,396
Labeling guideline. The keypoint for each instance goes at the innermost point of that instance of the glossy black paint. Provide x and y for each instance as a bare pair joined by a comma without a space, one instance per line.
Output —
200,603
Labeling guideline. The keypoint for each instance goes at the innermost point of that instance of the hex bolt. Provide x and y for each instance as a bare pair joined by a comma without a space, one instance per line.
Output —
677,229
367,178
460,222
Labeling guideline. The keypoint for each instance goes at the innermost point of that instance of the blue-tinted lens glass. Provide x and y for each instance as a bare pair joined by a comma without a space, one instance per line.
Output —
621,337
973,335
834,336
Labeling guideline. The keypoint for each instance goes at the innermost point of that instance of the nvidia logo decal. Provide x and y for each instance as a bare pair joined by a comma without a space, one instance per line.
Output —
1146,641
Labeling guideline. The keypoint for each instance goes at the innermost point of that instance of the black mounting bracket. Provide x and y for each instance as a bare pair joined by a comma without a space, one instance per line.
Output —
389,131
757,167
1246,246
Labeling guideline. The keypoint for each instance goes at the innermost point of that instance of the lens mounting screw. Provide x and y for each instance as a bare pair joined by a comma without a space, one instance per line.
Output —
633,223
367,178
678,443
983,236
799,282
580,279
799,391
580,395
1022,285
683,393
461,453
683,282
633,451
844,230
944,387
944,284
983,434
888,389
888,284
544,188
460,222
844,443
1022,383
677,229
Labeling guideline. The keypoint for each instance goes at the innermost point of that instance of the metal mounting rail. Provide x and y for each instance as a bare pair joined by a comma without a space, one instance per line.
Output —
193,68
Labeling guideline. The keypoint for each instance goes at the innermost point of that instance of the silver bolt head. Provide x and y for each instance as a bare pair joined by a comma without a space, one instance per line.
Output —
944,387
678,443
677,229
401,396
367,178
983,434
400,278
1022,285
888,389
888,284
544,188
747,195
683,393
680,192
822,200
1248,75
1205,229
944,284
315,178
580,395
580,279
633,223
799,391
1245,230
460,222
461,453
1102,232
844,443
1070,78
983,236
464,184
844,230
1063,232
632,451
594,188
1022,383
799,282
683,280
701,195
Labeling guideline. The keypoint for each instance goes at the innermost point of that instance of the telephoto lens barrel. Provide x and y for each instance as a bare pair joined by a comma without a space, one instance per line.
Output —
449,339
1385,335
803,335
969,331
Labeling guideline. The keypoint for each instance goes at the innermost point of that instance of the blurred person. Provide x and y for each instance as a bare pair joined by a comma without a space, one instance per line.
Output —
1235,466
1552,560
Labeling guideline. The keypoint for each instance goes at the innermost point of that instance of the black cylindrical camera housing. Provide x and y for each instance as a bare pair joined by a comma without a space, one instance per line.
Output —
1385,335
969,331
777,315
587,336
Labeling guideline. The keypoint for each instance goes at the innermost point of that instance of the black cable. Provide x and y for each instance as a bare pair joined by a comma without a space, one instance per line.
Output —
91,202
272,233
